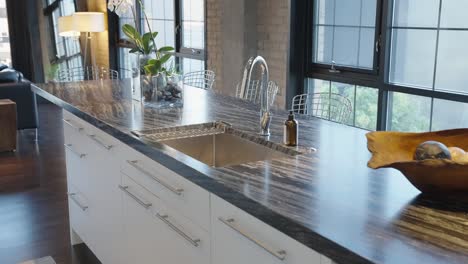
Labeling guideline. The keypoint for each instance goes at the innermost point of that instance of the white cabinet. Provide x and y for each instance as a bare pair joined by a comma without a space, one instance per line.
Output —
177,192
106,199
78,208
238,237
130,209
156,234
93,171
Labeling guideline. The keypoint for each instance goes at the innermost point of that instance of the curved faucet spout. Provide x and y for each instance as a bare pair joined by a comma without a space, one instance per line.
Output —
265,115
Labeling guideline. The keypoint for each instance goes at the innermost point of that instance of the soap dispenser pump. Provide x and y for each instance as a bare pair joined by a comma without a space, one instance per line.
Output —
291,130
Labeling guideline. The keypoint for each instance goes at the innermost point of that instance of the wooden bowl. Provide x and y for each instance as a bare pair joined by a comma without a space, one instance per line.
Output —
396,150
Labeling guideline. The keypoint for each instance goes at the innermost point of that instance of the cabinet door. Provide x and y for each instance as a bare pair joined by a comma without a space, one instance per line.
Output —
154,234
238,237
107,200
93,167
78,208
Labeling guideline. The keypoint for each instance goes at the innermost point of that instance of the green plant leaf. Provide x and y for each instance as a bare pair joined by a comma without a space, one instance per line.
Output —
165,58
166,49
152,61
133,34
153,67
147,43
135,50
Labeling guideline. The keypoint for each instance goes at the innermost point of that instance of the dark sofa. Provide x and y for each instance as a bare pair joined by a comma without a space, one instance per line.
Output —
14,87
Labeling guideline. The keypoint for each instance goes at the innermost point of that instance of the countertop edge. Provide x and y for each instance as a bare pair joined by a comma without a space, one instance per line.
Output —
296,231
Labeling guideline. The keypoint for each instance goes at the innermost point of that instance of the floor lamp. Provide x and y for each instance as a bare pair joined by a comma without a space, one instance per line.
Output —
66,27
89,22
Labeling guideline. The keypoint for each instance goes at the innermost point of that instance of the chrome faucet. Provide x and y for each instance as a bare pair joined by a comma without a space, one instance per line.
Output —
265,115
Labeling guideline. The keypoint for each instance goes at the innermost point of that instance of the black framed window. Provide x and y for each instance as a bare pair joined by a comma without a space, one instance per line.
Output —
63,51
179,23
344,33
404,71
5,52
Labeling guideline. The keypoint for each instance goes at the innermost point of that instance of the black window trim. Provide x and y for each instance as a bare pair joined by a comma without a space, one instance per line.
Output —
314,67
48,12
300,66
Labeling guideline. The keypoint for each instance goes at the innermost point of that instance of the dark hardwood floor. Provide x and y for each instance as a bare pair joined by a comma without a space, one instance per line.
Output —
33,197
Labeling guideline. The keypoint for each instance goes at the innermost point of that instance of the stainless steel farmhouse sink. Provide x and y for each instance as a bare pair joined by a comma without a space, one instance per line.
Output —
217,144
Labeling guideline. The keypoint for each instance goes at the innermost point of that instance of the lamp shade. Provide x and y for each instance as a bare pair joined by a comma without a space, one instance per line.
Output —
66,27
89,21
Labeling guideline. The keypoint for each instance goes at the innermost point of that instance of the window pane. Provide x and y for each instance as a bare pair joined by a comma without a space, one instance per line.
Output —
161,19
366,107
449,114
366,43
412,57
347,91
317,86
415,13
451,61
5,53
345,46
363,101
453,14
193,24
344,32
409,113
64,51
347,12
369,8
324,12
323,42
191,65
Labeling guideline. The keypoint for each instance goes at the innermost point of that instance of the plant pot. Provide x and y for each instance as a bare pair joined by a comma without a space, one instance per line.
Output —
168,88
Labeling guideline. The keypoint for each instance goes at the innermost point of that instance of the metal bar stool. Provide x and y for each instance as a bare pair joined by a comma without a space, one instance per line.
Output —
200,79
86,74
252,92
329,106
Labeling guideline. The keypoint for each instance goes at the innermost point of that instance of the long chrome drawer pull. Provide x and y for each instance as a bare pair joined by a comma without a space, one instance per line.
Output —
165,218
69,147
97,140
70,124
134,163
125,189
280,254
73,197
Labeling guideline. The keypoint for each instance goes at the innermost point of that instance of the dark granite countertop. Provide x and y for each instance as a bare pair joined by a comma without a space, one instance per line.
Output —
329,200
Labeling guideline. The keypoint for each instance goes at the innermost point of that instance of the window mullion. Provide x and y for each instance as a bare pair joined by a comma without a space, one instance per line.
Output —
384,21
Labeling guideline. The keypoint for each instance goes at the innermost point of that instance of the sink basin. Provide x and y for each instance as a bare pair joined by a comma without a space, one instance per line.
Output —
217,144
223,149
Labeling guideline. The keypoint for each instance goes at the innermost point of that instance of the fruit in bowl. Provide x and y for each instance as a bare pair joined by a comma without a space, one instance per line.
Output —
432,150
429,167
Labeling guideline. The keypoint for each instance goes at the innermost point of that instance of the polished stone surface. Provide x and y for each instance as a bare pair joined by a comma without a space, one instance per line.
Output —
329,200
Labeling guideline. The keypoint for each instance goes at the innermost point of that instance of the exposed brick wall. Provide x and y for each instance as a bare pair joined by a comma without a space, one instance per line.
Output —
273,41
272,33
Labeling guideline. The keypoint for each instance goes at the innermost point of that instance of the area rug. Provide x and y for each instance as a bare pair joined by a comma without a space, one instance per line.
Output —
44,260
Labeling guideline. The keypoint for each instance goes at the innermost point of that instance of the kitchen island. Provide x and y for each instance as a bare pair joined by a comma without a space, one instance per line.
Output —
328,201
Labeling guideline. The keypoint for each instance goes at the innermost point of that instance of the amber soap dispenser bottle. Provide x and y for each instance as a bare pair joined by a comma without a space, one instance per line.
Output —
291,130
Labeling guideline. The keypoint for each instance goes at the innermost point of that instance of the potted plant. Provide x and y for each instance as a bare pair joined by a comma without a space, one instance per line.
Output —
152,60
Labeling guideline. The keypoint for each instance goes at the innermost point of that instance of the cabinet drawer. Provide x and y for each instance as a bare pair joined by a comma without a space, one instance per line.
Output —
179,193
79,212
238,237
154,231
77,162
77,128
